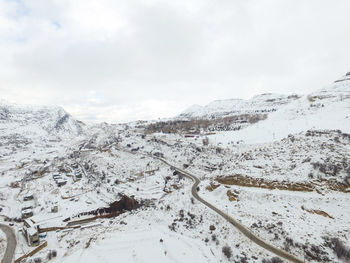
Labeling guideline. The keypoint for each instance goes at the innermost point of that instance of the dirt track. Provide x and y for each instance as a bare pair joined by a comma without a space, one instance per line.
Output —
244,230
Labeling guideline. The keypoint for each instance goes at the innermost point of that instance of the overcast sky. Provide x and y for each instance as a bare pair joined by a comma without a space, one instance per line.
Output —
122,60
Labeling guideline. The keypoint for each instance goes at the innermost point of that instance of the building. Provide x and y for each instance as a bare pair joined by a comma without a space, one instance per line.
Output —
54,209
28,197
56,176
27,213
30,232
60,182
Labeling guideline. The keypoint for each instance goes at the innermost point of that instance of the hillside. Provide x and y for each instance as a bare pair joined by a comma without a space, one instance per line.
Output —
327,108
223,115
28,130
100,192
263,103
38,120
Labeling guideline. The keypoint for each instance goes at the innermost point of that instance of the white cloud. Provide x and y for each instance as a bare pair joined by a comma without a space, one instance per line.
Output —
123,60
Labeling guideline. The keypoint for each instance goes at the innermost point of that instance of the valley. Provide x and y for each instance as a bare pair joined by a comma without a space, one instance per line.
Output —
193,188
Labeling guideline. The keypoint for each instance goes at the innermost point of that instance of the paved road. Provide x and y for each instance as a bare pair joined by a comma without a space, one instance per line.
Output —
244,230
11,243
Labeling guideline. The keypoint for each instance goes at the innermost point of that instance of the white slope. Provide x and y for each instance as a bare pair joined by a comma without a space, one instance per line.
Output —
37,121
28,132
144,246
220,108
328,108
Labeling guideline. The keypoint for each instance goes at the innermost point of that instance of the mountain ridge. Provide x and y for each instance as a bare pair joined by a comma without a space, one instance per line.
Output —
223,108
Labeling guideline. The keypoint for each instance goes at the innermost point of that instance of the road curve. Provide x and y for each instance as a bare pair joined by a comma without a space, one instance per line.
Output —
244,230
11,243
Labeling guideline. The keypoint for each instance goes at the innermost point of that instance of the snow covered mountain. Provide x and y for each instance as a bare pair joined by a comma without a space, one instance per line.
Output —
28,131
38,120
279,165
327,108
263,103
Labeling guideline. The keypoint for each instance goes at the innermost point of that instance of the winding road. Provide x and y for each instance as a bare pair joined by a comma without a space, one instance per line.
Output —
244,230
11,243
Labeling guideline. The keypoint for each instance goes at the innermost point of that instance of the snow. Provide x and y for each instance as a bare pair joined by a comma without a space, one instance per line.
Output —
273,206
144,246
115,160
331,112
222,108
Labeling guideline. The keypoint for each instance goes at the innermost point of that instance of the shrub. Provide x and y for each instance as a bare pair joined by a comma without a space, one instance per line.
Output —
172,227
273,260
205,141
227,251
347,179
340,249
181,213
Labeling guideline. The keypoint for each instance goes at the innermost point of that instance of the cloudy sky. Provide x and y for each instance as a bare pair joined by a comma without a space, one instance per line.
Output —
122,60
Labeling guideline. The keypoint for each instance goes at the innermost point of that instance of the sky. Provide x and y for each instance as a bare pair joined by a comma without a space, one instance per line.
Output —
125,60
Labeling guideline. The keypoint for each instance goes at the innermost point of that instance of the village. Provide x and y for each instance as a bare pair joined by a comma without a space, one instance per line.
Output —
61,196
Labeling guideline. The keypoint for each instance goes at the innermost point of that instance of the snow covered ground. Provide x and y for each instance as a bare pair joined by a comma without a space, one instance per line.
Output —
328,108
287,178
153,244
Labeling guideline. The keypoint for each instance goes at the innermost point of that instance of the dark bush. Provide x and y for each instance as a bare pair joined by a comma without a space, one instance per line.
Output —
341,250
172,227
227,251
192,200
347,179
273,260
192,216
181,213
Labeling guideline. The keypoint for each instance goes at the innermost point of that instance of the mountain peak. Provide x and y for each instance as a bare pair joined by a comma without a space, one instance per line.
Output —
43,120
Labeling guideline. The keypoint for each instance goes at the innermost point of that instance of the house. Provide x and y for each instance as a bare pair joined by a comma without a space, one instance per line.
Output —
78,173
54,209
27,207
60,182
56,176
28,197
30,232
78,177
27,213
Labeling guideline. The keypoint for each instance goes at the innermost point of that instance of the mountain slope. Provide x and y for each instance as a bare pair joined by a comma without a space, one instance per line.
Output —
263,103
38,120
327,108
35,130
